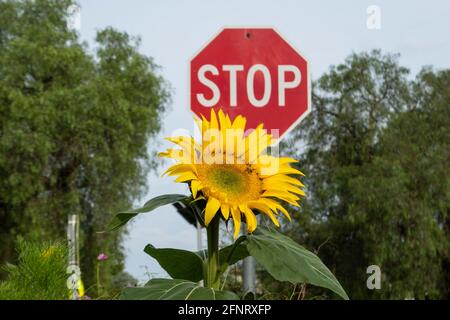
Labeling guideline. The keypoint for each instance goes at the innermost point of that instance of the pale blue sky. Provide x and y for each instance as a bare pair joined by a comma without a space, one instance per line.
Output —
325,31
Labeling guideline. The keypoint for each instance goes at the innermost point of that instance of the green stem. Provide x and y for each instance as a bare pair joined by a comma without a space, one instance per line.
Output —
98,279
212,272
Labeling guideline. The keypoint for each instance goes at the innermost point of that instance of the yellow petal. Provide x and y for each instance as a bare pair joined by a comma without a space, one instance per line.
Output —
211,209
205,125
287,160
213,121
234,143
265,209
272,170
224,127
250,218
270,203
195,187
273,218
223,121
225,211
284,211
186,177
236,214
282,187
239,123
190,148
257,143
279,194
179,155
275,206
283,178
259,206
228,121
180,169
186,142
290,170
172,154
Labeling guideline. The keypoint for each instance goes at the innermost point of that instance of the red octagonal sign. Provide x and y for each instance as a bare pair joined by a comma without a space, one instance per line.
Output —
253,72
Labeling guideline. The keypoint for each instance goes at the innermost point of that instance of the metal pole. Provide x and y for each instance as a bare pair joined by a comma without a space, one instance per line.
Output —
249,275
199,243
73,267
249,271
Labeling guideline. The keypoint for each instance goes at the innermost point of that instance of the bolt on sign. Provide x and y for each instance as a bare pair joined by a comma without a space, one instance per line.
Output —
253,72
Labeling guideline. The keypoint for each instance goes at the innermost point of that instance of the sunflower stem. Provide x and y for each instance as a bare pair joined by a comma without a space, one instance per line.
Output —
212,274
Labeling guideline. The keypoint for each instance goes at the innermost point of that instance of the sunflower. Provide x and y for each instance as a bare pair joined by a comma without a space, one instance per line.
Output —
232,171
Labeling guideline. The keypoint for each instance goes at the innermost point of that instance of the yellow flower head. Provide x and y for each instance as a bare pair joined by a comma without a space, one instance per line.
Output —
231,170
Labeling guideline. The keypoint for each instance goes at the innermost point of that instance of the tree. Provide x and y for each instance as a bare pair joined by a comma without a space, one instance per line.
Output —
375,152
74,128
415,154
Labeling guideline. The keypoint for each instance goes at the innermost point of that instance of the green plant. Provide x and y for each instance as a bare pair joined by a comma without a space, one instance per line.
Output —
377,153
40,273
75,125
248,184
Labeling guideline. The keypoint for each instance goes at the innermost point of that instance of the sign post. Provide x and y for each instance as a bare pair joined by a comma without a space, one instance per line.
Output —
73,267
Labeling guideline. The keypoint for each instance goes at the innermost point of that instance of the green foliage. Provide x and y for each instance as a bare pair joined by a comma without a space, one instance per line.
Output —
173,289
233,253
74,129
286,260
122,280
297,264
122,218
376,154
39,275
179,264
184,264
282,257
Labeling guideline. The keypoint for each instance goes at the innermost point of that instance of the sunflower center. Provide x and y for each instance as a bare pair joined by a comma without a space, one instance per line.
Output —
228,179
230,183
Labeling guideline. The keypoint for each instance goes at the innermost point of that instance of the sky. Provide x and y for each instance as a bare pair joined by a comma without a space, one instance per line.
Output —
326,32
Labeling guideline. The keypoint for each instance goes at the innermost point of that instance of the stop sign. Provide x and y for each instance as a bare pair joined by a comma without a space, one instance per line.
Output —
252,72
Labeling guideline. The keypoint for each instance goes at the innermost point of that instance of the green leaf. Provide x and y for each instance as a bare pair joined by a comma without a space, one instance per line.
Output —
179,264
186,212
229,255
234,252
175,289
123,217
286,260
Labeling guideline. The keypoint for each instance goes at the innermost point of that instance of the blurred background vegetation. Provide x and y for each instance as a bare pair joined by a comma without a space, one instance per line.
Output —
40,272
376,153
75,123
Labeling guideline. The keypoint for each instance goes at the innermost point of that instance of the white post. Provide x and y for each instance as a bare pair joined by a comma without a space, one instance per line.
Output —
73,263
199,243
249,272
249,275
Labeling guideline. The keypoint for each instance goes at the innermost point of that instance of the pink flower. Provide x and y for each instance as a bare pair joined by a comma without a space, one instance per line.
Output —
102,257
